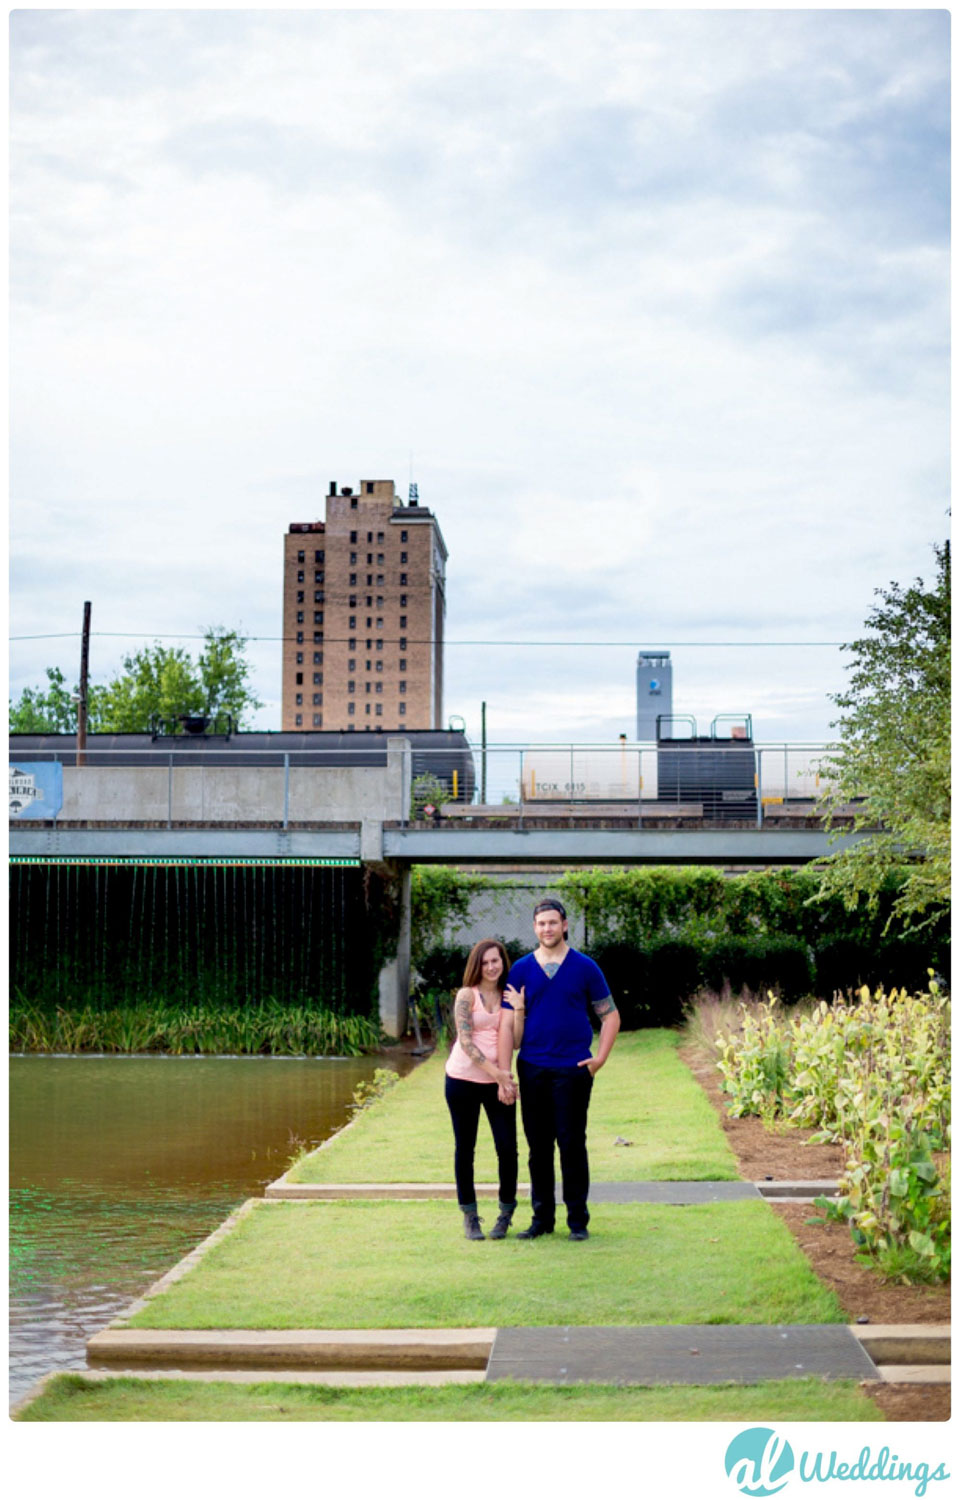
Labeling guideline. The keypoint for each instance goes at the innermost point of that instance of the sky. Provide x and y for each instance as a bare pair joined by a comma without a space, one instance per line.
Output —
651,305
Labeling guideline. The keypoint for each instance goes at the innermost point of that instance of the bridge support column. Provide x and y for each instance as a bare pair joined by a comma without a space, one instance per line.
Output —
394,977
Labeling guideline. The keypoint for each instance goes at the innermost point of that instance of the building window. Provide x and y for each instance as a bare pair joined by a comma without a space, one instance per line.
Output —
403,686
379,559
299,699
299,720
403,557
403,579
353,536
299,637
379,669
353,557
369,621
369,486
379,708
379,622
317,720
318,617
369,536
352,643
403,663
403,536
299,616
318,557
369,602
318,658
379,538
299,678
379,645
403,709
379,580
352,601
317,679
369,581
317,699
369,645
300,576
353,580
351,687
299,658
300,557
317,636
366,708
369,559
352,623
403,622
403,601
366,688
379,687
318,596
353,502
379,601
351,708
369,666
403,643
352,664
299,596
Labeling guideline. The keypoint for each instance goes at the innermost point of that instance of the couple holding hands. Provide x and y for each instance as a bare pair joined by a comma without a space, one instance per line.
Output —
542,1006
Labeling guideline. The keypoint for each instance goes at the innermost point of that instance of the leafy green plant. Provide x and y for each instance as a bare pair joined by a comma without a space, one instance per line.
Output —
869,1072
369,1090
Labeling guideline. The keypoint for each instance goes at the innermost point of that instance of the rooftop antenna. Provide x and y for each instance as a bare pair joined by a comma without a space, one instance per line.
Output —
413,493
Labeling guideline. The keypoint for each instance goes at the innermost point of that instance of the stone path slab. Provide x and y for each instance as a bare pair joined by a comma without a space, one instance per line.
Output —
672,1192
679,1355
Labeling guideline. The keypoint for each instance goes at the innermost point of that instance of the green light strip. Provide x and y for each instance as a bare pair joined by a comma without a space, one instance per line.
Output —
175,860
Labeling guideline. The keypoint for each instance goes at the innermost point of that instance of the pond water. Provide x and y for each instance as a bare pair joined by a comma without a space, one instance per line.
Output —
121,1165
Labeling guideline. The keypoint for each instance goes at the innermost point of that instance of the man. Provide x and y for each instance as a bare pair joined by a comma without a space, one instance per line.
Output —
552,992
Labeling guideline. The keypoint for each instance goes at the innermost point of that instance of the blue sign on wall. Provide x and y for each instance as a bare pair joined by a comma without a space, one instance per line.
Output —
36,789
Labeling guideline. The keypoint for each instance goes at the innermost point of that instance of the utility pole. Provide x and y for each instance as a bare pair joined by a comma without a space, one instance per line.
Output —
82,705
483,753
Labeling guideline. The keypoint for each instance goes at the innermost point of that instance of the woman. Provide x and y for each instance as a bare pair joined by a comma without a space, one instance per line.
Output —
478,1076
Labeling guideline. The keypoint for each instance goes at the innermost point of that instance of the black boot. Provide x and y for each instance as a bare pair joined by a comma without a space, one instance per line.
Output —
471,1224
499,1230
535,1231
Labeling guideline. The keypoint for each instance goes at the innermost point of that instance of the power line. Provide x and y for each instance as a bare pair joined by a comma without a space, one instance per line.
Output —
424,640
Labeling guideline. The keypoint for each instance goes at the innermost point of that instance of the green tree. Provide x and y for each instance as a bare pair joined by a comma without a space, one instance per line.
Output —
894,752
156,682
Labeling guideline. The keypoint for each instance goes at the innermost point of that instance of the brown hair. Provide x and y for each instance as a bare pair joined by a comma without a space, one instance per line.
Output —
473,973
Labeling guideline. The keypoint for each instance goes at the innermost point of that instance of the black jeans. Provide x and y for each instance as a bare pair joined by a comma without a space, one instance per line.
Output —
554,1102
465,1100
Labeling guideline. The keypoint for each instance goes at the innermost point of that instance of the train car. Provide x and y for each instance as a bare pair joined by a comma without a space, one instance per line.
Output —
620,773
442,753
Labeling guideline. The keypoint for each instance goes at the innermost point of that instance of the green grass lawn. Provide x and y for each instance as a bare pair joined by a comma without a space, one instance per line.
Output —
406,1265
71,1398
643,1094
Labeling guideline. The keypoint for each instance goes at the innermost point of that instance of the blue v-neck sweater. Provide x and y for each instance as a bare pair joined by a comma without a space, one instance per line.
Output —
558,1032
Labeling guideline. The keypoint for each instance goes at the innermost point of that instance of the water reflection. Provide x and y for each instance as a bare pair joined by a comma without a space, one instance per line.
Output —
120,1165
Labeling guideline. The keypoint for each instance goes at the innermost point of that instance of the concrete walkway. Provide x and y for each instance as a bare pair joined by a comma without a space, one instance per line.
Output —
678,1193
660,1354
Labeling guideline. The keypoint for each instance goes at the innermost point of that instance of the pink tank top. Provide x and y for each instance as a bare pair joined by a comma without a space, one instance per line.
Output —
486,1027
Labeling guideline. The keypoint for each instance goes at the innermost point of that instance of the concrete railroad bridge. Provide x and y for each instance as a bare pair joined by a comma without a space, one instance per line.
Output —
359,815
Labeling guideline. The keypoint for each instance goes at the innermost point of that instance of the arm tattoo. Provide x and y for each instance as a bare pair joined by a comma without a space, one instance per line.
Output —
605,1007
463,1015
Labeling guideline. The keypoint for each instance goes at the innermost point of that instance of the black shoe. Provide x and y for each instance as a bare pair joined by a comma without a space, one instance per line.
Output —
579,1234
471,1227
535,1231
499,1230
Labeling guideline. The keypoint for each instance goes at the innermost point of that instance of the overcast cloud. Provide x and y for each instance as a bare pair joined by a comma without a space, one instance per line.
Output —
657,300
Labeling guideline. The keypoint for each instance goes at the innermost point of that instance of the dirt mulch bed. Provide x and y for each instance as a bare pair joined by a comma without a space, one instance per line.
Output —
783,1156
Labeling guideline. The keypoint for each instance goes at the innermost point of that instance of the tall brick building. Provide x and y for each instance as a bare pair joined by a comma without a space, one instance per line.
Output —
363,612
